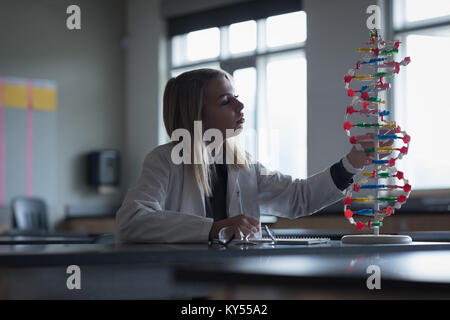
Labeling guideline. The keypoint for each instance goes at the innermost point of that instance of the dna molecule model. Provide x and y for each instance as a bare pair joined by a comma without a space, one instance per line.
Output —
387,187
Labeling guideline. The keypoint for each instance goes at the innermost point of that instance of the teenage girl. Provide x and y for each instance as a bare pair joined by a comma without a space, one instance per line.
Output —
192,201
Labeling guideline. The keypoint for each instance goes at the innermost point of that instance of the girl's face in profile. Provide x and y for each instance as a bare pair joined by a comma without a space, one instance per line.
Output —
222,110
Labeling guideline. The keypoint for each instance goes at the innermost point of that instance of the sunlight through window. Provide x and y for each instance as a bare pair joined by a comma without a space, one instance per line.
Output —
243,37
416,10
203,44
424,110
286,29
286,99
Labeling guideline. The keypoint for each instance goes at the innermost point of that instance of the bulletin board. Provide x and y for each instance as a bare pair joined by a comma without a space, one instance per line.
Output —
28,142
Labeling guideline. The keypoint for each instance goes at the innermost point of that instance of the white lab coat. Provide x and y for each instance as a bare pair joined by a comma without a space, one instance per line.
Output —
167,205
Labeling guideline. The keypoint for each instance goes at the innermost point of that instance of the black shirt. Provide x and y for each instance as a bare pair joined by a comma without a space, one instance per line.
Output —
216,206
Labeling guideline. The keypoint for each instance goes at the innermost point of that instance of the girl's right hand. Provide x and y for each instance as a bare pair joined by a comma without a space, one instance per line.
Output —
245,224
359,159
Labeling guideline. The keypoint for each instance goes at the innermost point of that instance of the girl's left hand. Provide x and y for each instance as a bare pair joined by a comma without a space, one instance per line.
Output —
359,159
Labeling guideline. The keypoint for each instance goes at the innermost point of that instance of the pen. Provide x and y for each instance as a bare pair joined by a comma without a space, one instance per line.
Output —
241,211
270,233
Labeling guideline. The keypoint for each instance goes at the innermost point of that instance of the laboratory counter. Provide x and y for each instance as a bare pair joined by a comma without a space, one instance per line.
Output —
147,271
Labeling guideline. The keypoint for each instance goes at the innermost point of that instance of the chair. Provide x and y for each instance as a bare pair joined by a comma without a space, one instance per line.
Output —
29,214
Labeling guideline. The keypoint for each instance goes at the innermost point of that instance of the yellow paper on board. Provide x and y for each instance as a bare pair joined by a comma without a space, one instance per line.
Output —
44,99
15,96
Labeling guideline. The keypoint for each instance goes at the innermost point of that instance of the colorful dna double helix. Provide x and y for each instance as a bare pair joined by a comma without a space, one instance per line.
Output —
379,61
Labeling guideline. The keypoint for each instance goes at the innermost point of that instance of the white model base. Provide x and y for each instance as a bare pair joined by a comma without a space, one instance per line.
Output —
376,239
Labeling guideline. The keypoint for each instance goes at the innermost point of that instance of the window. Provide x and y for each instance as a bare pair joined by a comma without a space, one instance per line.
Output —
278,26
242,37
416,10
419,92
268,65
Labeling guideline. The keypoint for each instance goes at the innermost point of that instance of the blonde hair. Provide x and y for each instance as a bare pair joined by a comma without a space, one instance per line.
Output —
183,104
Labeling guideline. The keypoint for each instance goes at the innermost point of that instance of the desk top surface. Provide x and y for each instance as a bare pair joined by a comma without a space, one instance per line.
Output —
160,254
415,273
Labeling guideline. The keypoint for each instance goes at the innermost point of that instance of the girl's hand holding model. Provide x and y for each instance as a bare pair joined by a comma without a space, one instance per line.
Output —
186,202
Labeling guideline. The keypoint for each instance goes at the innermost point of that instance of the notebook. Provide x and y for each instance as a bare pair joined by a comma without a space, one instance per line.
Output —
290,238
294,240
283,240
